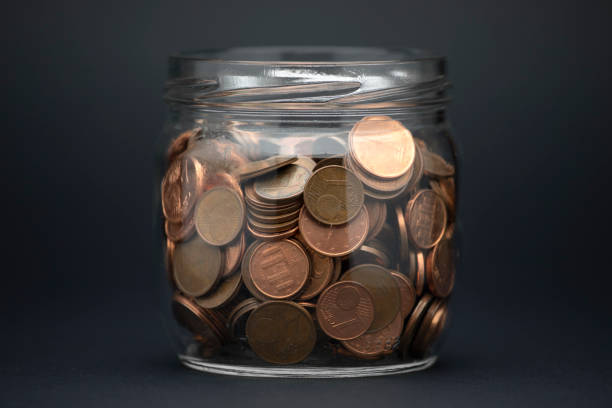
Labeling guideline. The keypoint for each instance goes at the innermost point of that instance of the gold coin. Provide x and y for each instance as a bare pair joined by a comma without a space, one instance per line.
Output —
281,332
333,195
197,266
219,215
225,291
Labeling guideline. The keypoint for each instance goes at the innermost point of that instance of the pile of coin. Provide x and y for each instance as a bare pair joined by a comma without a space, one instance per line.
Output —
349,254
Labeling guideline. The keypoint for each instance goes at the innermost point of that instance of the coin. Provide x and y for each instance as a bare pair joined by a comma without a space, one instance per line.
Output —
414,321
233,255
381,285
320,276
417,271
246,273
431,327
279,269
333,195
281,332
345,310
445,188
273,219
382,146
179,231
306,162
181,187
330,161
435,166
271,236
179,145
219,215
403,236
223,179
372,345
222,294
197,266
440,269
382,186
369,255
261,167
377,213
426,219
188,315
407,293
237,325
334,240
285,185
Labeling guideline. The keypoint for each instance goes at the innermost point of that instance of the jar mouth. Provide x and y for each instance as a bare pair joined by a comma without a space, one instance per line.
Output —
309,55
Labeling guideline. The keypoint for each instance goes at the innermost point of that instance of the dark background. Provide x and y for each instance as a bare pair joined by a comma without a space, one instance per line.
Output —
82,107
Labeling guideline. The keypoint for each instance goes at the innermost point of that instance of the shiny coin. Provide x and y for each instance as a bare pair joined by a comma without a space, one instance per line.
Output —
333,195
181,187
225,291
233,255
414,321
334,240
188,315
345,310
281,332
385,292
261,167
223,179
197,266
407,293
179,145
381,186
279,269
219,216
426,219
435,166
382,146
372,345
431,327
285,185
440,269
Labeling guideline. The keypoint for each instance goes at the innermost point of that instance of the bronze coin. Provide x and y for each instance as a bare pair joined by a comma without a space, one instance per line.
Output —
369,255
237,325
223,179
262,236
382,146
168,262
218,323
445,188
272,228
256,203
197,266
416,272
284,185
426,219
383,186
219,215
239,306
435,166
334,240
403,236
337,270
372,345
246,273
179,145
378,195
222,294
414,321
330,161
279,269
273,211
281,332
377,214
431,327
440,269
188,315
273,219
179,231
417,169
261,167
407,293
345,310
182,185
381,285
333,195
320,276
233,255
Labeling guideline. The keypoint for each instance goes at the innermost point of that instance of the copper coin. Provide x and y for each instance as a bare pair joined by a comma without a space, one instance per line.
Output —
279,269
381,285
170,246
261,167
337,270
284,185
233,255
223,179
378,195
431,327
179,145
271,236
382,146
222,294
273,211
369,255
377,214
239,306
273,219
435,166
333,195
440,269
372,345
320,276
218,323
407,293
417,169
197,266
179,231
426,219
237,325
272,228
334,240
281,332
257,203
445,188
330,161
345,310
417,271
414,321
403,236
379,185
246,273
188,315
181,187
219,215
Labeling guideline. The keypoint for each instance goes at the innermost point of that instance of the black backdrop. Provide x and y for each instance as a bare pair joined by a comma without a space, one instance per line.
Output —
81,102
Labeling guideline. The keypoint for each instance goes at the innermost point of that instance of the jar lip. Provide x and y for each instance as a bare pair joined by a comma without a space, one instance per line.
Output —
309,55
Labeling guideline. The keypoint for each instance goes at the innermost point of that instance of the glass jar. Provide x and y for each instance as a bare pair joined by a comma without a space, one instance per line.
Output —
307,210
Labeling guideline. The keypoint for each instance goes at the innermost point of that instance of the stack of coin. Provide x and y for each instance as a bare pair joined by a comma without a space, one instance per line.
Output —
352,253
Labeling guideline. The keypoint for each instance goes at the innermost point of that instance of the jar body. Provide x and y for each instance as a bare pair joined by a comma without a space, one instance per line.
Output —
305,238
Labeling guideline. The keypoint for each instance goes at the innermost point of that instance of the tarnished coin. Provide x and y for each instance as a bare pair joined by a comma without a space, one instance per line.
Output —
237,323
381,285
197,266
285,185
182,185
281,332
377,214
382,146
219,215
321,274
179,231
426,219
246,272
413,323
179,145
417,271
407,293
431,327
261,167
403,236
373,345
440,269
345,310
369,255
188,315
279,269
333,195
233,255
435,166
225,291
334,240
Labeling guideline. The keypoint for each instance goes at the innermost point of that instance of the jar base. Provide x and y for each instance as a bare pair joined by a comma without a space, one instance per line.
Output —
304,370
